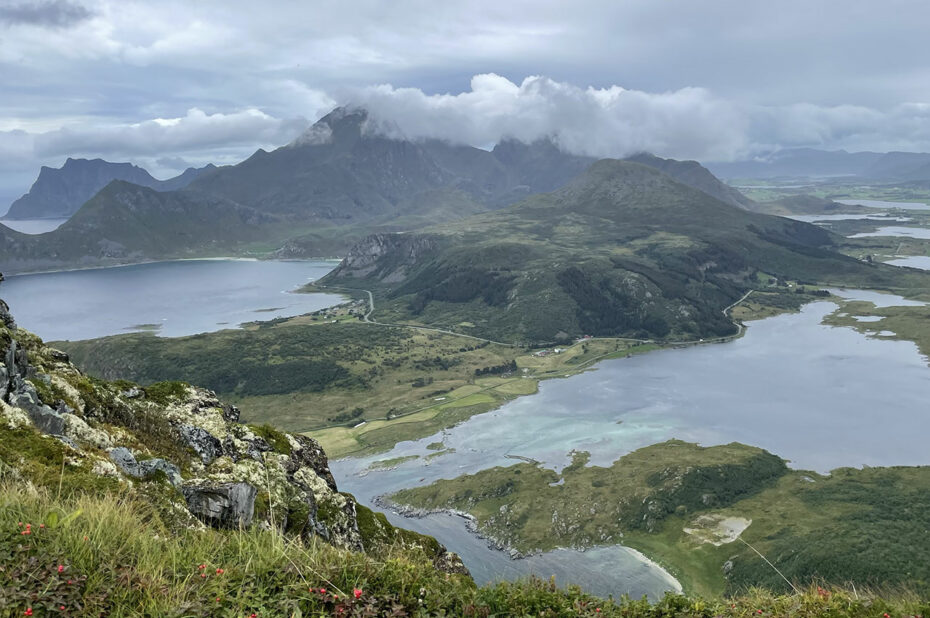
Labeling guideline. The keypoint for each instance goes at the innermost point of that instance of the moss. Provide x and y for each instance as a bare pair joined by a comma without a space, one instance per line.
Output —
377,533
276,439
165,393
298,518
262,505
43,460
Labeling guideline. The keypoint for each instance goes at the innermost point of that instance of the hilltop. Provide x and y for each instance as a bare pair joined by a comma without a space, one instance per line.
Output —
623,250
59,193
128,223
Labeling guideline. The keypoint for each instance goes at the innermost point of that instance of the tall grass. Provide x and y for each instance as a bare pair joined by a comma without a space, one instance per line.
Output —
113,555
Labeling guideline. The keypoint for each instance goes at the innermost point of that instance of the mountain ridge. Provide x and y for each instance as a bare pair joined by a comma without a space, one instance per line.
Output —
60,192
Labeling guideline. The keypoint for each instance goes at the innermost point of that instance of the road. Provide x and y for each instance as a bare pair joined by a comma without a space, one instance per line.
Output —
371,309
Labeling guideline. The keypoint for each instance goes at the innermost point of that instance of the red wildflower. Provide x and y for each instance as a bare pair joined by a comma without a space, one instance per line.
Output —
41,525
62,608
217,599
61,568
220,571
356,592
202,567
69,582
322,590
28,611
203,575
885,615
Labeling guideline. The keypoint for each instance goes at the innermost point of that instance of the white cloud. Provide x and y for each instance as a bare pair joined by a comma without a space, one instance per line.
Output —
689,123
196,131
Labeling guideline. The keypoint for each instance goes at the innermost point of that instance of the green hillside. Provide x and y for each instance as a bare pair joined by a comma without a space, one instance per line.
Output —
129,223
694,509
624,250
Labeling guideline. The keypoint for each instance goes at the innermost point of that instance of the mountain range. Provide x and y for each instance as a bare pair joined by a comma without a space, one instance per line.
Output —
622,250
59,193
331,187
813,163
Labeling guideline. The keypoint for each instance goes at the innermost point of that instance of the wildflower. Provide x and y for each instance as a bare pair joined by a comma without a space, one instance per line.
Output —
202,567
61,607
322,590
885,615
41,525
69,582
758,611
85,539
217,599
597,610
20,524
203,575
61,568
28,611
253,615
356,592
220,571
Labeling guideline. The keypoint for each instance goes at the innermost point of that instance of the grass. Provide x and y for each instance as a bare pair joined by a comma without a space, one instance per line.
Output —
106,555
862,526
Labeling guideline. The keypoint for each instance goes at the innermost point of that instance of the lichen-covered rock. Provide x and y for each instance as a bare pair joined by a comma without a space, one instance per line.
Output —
225,474
228,505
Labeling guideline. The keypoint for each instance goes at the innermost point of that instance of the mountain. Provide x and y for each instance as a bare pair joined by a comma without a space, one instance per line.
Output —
900,166
797,162
342,171
622,250
58,193
126,222
696,176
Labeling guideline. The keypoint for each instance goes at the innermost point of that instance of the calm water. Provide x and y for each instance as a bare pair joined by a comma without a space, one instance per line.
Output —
896,230
886,204
33,226
169,298
816,395
914,261
848,217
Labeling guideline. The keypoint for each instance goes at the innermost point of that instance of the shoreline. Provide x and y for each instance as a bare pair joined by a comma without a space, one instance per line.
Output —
493,544
166,261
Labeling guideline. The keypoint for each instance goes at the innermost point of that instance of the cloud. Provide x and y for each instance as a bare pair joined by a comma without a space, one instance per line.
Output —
50,14
613,121
195,131
688,123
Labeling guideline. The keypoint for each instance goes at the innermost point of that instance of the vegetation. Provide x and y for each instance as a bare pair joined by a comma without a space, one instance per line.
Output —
107,556
623,251
687,506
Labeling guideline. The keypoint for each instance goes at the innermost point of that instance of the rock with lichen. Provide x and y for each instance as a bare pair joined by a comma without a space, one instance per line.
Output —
181,449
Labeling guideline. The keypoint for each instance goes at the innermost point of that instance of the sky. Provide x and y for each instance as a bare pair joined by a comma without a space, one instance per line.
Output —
172,83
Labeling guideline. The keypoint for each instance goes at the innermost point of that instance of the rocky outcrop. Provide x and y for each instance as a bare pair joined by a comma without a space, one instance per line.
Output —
229,505
181,446
366,259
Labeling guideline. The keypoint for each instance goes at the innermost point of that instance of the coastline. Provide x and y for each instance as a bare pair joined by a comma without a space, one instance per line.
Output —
471,525
165,261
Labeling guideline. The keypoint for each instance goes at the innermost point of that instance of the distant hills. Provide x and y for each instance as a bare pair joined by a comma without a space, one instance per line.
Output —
812,163
128,223
317,196
59,193
623,250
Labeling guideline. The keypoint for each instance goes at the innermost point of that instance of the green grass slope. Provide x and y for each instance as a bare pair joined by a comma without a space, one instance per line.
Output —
674,501
623,250
126,222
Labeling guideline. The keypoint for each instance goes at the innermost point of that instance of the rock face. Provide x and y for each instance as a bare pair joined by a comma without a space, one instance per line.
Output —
366,258
183,445
230,505
60,192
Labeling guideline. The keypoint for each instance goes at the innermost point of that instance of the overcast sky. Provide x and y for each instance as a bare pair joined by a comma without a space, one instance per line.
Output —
169,84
